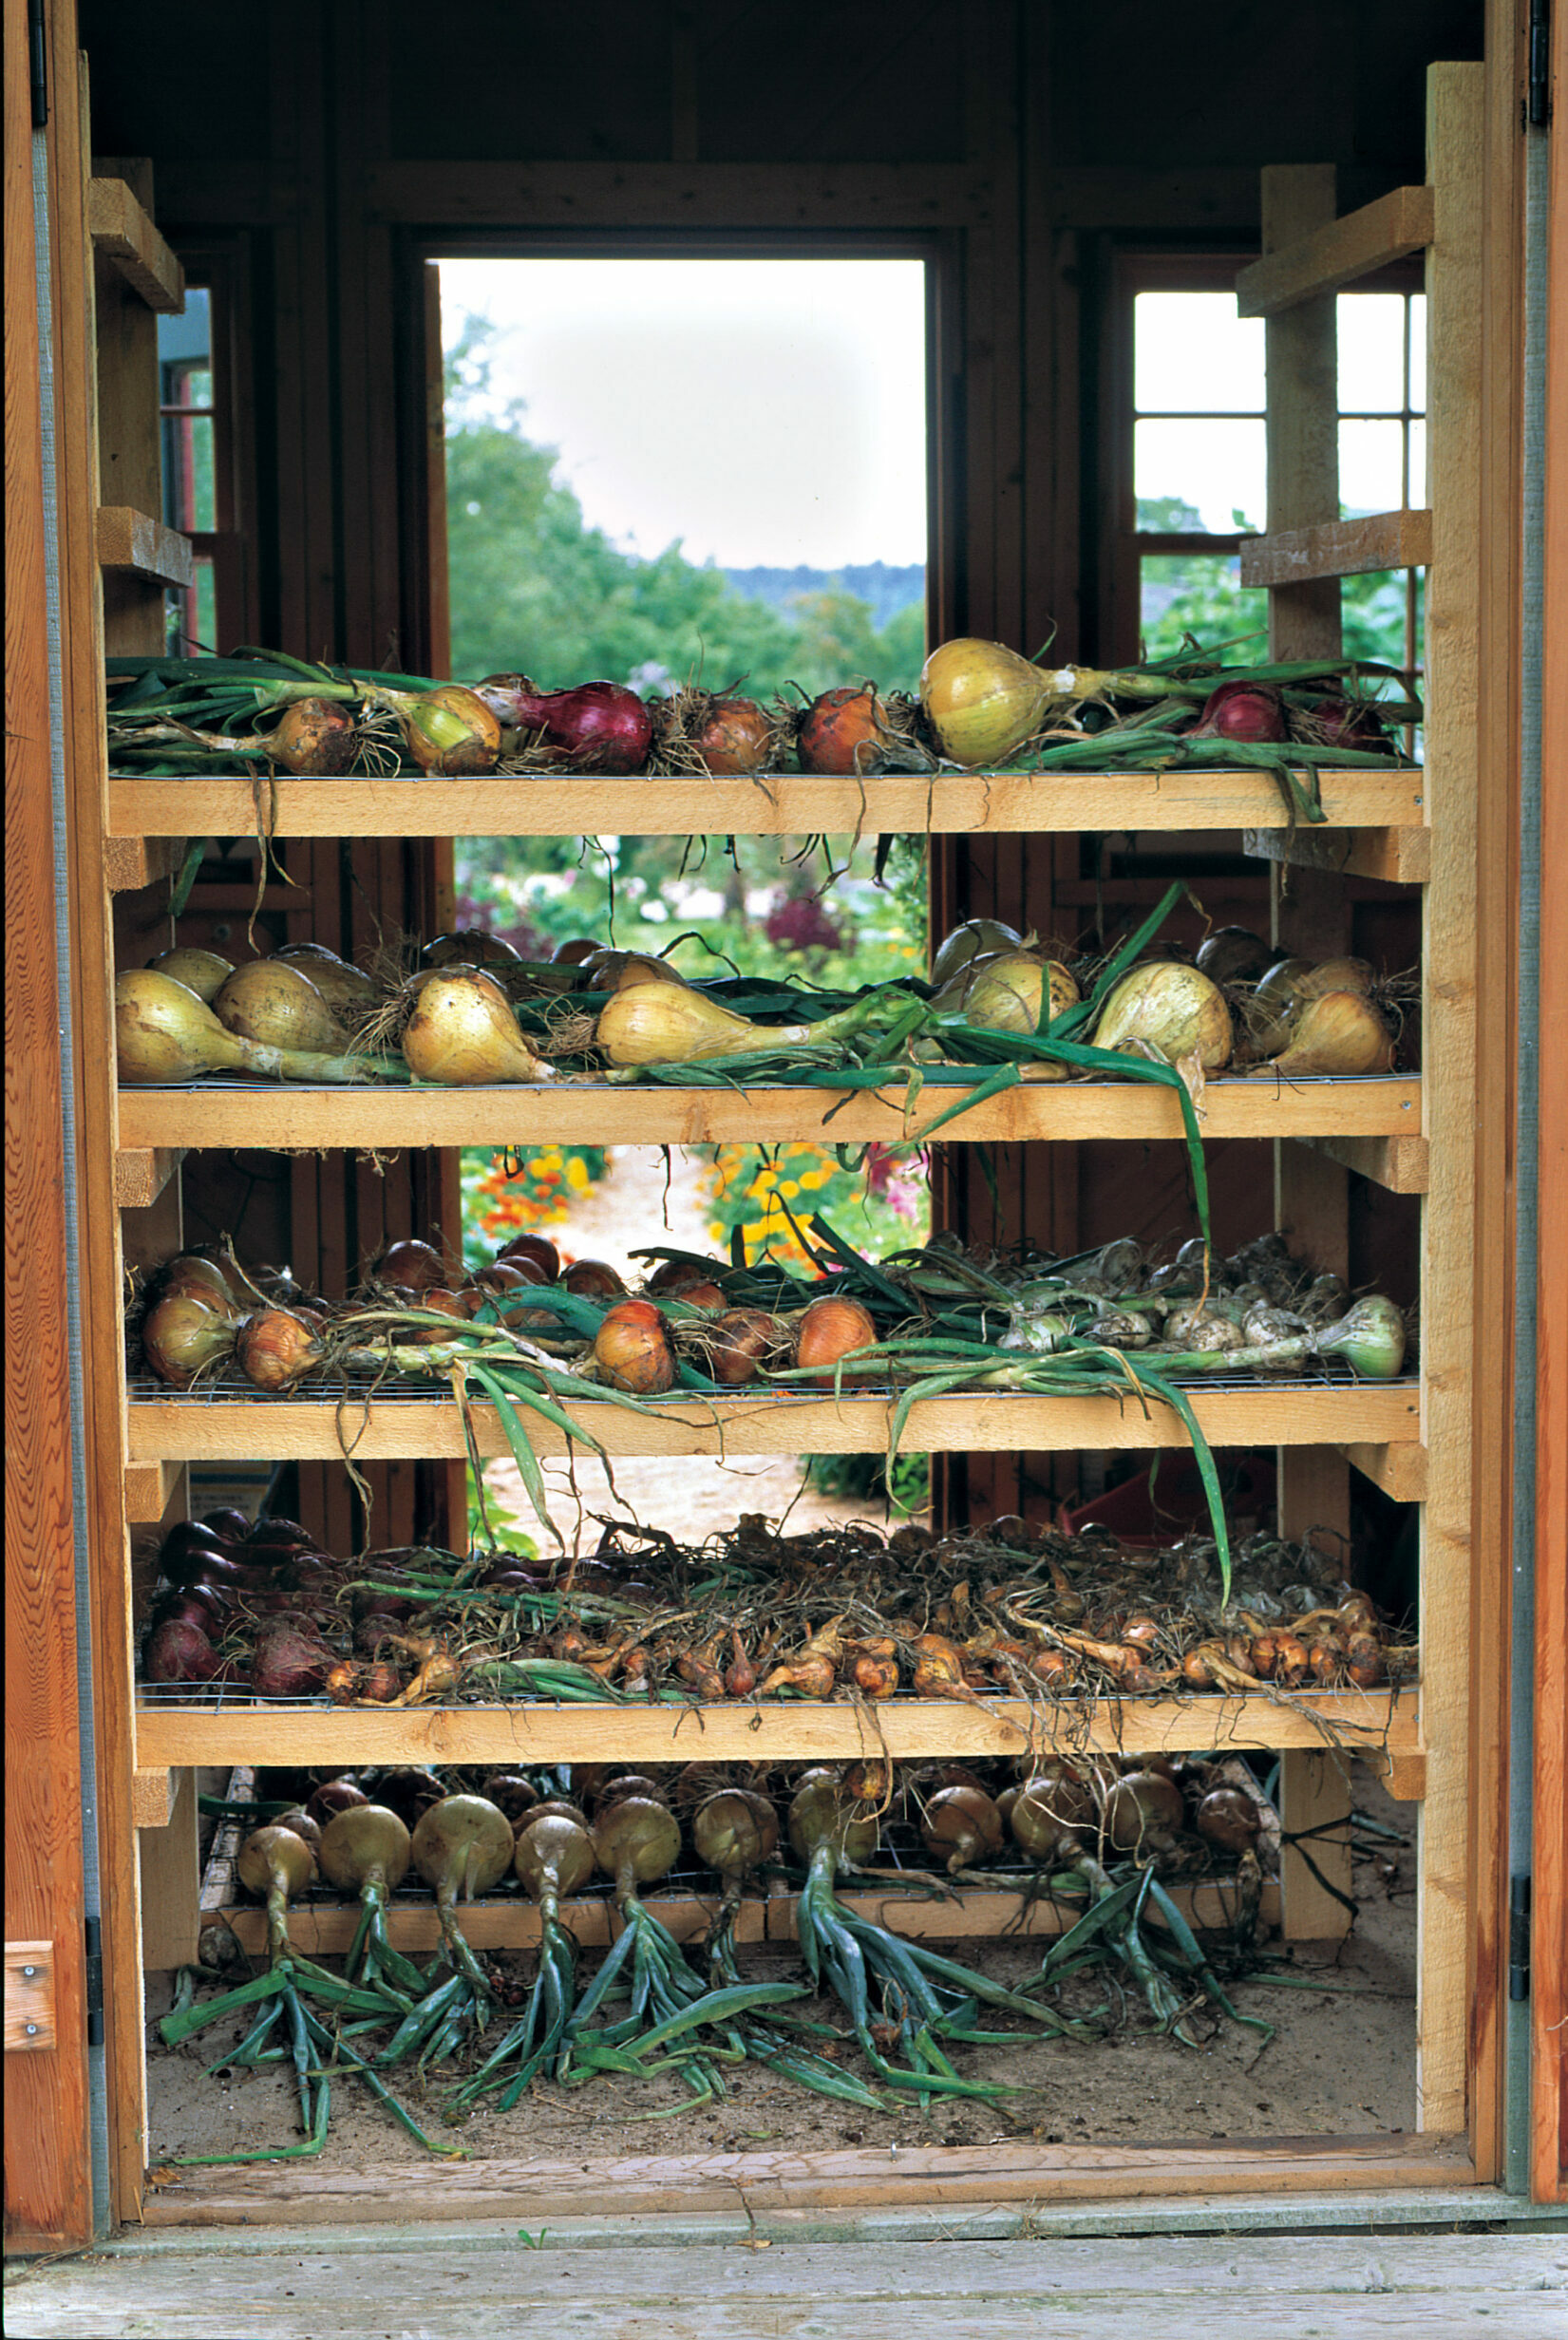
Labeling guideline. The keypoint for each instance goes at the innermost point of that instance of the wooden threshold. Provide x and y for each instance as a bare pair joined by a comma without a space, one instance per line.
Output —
1363,241
1370,1113
535,2192
798,1731
782,804
388,1428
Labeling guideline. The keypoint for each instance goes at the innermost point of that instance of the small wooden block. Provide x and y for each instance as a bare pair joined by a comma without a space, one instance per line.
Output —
127,539
152,1798
1400,1471
1338,547
142,1173
133,862
148,1489
123,232
1400,1164
29,1995
1402,1772
1398,223
1398,857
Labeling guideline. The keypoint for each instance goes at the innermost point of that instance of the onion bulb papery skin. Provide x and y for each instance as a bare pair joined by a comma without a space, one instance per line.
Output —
1004,993
636,1842
367,1846
462,1034
982,701
830,1330
165,1032
1177,1010
600,726
1241,711
1339,1032
736,737
278,1004
977,938
842,732
182,1335
313,736
632,1351
201,972
345,990
666,1023
450,732
463,1845
554,1856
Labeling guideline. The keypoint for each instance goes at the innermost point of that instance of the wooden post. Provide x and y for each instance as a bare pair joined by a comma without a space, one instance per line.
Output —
1310,915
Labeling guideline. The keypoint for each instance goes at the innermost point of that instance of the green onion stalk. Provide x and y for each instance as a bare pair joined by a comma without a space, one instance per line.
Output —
1168,1966
921,1998
554,1856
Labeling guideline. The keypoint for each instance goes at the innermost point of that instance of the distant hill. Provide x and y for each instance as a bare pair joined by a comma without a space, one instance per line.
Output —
886,590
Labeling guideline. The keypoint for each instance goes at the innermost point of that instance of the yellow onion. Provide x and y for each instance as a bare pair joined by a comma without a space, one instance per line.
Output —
1336,976
833,1329
666,1022
1004,994
163,1032
470,947
1173,1008
982,701
278,1004
977,938
450,732
201,972
313,736
344,988
275,1348
462,1033
182,1335
632,1350
611,970
1336,1033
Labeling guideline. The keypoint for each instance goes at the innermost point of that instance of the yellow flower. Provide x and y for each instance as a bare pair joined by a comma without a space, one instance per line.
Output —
577,1175
790,1188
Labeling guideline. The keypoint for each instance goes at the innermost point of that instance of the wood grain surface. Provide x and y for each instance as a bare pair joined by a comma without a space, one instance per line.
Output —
1318,260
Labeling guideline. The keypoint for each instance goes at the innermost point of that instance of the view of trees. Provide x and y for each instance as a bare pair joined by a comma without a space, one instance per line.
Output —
534,590
1201,594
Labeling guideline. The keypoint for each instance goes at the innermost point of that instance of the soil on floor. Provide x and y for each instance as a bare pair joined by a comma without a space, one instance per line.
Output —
1342,2061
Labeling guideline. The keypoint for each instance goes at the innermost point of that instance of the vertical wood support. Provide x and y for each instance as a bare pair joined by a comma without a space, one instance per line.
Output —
47,2153
1310,915
1455,120
169,1878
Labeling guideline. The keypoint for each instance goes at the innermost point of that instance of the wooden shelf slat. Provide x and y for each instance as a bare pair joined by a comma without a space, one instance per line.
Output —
126,538
788,803
121,231
1397,224
1399,1164
1386,1414
1338,547
1370,1113
802,1730
1398,856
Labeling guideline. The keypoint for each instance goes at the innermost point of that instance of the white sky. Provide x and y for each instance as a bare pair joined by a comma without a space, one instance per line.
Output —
765,412
772,412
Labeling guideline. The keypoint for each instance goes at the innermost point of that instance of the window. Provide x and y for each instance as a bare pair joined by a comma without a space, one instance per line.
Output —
1194,461
190,466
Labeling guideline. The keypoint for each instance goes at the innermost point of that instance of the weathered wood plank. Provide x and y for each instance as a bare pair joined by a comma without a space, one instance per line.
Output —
784,805
1398,1164
1398,857
1381,1116
905,1729
1337,252
133,540
1338,547
123,232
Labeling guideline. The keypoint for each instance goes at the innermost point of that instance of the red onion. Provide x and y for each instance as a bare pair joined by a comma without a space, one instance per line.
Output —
227,1524
281,1531
287,1663
601,726
179,1651
1340,724
185,1608
191,1535
1241,711
198,1567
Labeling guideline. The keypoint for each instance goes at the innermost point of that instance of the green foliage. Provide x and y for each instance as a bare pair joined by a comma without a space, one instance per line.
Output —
862,1478
505,1528
535,591
1201,594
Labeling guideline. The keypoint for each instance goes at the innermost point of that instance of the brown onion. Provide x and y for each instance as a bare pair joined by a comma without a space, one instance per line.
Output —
413,1265
316,736
636,1841
632,1350
275,1348
1142,1813
831,1329
961,1823
742,1340
843,731
535,1250
1229,1818
736,736
593,1279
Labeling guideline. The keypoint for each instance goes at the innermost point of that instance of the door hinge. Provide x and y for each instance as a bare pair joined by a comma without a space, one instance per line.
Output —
1538,65
1518,1937
94,1983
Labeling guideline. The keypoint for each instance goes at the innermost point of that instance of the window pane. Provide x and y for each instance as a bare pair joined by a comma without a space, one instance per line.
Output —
1371,353
189,495
1370,457
1216,469
1418,464
1372,611
1198,594
1191,351
1418,352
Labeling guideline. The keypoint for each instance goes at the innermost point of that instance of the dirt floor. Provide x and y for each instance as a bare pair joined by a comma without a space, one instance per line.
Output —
1342,2061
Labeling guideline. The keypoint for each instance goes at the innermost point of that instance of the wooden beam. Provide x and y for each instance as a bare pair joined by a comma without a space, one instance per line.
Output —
1398,1164
905,1729
153,1795
123,232
169,1878
1337,252
129,539
1397,857
141,1175
788,804
130,862
1366,1113
1338,547
1400,1471
148,1489
865,195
